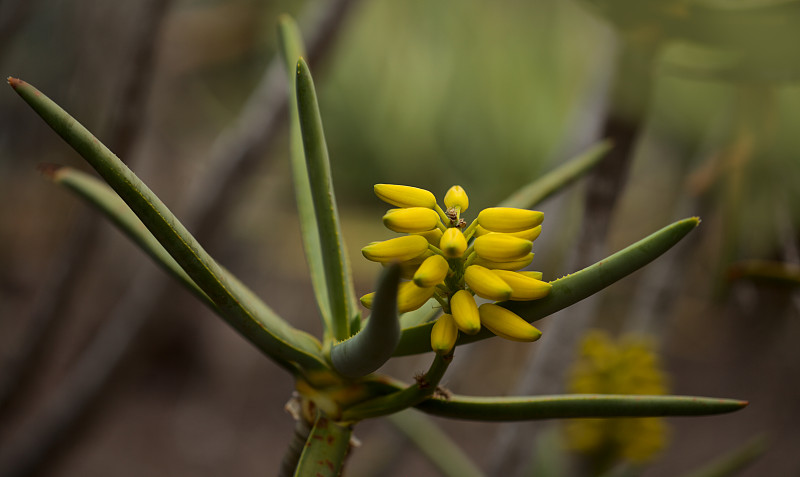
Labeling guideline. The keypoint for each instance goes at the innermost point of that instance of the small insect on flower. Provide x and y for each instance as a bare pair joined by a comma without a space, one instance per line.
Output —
446,259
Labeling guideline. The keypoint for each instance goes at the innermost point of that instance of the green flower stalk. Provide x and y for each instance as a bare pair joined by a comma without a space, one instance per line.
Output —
450,261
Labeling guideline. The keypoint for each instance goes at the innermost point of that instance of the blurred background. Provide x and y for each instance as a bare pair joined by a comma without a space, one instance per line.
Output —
108,368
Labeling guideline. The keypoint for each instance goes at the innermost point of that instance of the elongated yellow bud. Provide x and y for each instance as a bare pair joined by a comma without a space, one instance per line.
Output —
396,250
432,271
410,296
524,287
411,220
444,334
508,219
486,284
502,247
453,243
513,265
507,324
432,236
366,300
534,275
405,196
527,234
456,197
465,312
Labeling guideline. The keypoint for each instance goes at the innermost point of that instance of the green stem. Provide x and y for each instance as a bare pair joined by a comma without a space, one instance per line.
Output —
302,429
408,397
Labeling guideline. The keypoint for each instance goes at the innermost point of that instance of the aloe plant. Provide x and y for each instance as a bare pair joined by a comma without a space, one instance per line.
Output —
336,380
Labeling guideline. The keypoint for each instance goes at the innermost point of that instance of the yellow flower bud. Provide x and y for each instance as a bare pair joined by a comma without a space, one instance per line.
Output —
366,300
453,243
509,219
534,275
410,296
481,231
513,265
507,324
411,220
396,250
444,334
432,271
524,287
432,236
528,234
405,196
465,312
502,247
486,284
456,197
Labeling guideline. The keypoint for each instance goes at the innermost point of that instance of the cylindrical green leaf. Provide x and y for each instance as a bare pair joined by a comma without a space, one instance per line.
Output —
115,209
372,346
292,48
575,405
571,288
338,278
248,315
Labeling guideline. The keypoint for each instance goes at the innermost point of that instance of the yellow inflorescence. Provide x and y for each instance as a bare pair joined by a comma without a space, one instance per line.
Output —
629,366
451,261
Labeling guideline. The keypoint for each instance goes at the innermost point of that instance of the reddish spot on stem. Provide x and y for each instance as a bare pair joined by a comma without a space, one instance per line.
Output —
319,438
15,82
330,440
329,464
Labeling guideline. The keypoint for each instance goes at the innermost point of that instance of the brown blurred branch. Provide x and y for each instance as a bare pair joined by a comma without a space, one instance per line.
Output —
63,281
233,157
14,14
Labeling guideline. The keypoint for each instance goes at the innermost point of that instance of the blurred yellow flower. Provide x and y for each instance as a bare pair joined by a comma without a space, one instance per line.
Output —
629,366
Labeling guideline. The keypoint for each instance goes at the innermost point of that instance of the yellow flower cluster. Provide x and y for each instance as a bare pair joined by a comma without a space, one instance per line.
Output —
607,367
444,258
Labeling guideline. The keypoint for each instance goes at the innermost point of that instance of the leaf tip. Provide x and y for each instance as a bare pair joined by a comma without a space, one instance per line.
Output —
49,170
14,82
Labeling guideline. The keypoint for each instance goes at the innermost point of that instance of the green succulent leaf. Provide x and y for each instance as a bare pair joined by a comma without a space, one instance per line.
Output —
292,49
525,408
569,289
286,345
326,449
339,280
368,350
557,179
98,194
